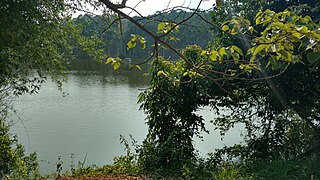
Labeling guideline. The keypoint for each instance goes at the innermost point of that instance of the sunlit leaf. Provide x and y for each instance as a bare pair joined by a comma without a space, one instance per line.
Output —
232,72
110,59
278,24
203,52
138,67
133,37
159,73
296,34
234,31
251,29
258,20
213,56
116,65
258,14
161,26
307,19
131,44
260,48
302,29
273,48
223,51
225,28
237,49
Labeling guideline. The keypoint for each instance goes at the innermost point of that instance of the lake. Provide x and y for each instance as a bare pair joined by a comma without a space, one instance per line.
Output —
89,120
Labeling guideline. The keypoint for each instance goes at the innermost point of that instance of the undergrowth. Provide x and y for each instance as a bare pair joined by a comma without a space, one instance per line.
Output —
250,169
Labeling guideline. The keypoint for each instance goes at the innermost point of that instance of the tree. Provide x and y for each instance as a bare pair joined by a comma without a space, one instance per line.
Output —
250,79
36,39
272,102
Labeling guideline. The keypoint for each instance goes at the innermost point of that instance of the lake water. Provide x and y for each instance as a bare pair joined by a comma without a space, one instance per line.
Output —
98,109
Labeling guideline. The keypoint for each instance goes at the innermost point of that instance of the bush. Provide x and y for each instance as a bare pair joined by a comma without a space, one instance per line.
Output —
13,161
284,169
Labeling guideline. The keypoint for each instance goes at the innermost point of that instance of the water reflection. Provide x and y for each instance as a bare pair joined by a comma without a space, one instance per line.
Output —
133,78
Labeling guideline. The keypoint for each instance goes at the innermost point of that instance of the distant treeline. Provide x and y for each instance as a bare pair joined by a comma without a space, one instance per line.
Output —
116,34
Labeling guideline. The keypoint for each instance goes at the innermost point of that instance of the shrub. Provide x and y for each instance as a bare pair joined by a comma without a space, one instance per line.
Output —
13,161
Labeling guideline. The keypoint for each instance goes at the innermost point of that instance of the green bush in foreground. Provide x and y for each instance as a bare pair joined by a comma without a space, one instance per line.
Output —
284,169
14,164
210,168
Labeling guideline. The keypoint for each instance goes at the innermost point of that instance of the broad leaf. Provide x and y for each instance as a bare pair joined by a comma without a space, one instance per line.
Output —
116,65
225,28
110,59
260,48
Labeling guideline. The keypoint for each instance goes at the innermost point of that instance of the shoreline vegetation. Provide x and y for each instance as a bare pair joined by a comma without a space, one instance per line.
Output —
301,169
128,167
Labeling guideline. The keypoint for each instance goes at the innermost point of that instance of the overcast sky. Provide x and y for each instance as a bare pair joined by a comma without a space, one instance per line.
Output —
149,7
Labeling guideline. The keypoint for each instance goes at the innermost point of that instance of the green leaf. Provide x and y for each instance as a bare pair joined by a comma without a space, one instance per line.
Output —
203,52
258,20
278,24
159,73
296,58
237,49
225,28
138,67
302,29
252,58
223,51
246,67
213,57
131,44
236,57
313,57
286,55
116,65
232,72
172,38
219,3
260,48
273,48
258,14
251,29
134,37
307,19
118,59
161,26
110,59
143,45
241,66
234,31
296,34
142,42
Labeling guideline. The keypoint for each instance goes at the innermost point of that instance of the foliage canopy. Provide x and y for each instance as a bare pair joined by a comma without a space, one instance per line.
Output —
269,82
37,36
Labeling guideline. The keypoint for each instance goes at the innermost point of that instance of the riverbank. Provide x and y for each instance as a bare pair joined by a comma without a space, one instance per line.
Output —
100,177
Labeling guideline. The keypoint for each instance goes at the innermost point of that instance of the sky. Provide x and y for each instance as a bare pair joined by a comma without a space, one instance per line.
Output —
149,7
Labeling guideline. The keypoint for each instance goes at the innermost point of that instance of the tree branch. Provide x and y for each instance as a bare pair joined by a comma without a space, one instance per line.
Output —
115,9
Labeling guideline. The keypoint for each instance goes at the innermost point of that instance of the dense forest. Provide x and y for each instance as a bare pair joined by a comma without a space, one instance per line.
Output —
114,41
256,60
